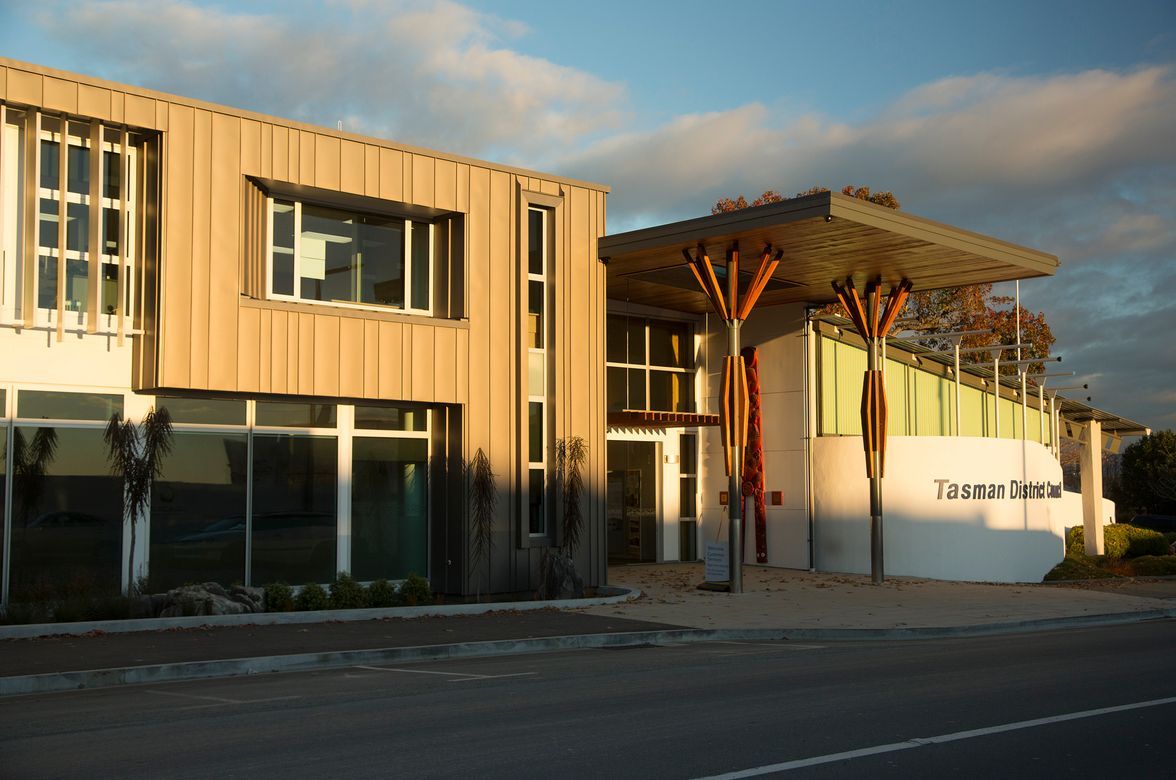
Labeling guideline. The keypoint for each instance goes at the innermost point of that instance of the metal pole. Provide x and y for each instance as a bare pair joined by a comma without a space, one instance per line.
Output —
1024,408
1041,413
735,487
996,391
957,387
877,570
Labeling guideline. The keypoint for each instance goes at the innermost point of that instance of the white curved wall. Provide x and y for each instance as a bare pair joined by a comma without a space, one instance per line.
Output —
928,533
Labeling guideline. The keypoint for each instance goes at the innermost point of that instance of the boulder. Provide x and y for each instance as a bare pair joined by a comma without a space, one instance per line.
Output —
558,578
252,598
201,600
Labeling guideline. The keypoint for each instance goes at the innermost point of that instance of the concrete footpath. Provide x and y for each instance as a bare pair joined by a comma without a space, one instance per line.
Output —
776,605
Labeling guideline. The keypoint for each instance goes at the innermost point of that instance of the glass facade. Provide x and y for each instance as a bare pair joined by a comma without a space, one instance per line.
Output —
67,514
198,510
538,357
294,508
389,508
249,493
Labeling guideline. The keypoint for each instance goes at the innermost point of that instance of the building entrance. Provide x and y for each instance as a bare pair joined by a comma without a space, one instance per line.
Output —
632,501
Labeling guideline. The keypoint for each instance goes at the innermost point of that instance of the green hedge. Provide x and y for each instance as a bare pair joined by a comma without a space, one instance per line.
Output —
1154,565
1120,541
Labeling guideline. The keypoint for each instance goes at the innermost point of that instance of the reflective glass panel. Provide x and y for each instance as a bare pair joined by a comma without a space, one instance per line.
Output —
536,362
535,241
66,515
47,220
283,248
77,227
535,315
689,453
78,170
198,511
327,254
389,508
110,288
535,432
110,231
295,415
381,261
50,405
670,344
537,520
671,392
77,283
3,486
50,162
203,411
626,339
47,282
420,264
391,418
111,175
294,510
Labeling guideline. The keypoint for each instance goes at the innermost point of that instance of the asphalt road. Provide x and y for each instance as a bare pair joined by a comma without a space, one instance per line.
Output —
901,709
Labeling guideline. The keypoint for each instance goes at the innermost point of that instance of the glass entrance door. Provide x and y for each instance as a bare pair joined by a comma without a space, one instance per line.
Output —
632,501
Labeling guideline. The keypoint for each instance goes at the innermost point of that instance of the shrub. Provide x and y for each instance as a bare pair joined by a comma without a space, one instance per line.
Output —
346,593
382,593
1077,567
1120,541
279,597
415,591
312,597
1154,565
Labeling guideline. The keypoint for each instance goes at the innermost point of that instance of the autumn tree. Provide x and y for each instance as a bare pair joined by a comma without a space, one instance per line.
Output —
972,307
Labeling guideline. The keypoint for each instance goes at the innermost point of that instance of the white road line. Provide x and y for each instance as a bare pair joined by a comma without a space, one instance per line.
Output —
421,671
217,700
494,676
937,740
192,696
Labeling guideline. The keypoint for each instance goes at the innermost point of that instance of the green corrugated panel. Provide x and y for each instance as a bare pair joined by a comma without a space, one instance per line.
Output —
974,413
851,369
1010,419
898,399
933,405
827,387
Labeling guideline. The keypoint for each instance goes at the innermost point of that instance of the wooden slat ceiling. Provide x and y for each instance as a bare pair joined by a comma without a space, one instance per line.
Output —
824,237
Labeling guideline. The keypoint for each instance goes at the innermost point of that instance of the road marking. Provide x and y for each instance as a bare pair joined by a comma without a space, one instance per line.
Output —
493,676
217,700
917,742
465,677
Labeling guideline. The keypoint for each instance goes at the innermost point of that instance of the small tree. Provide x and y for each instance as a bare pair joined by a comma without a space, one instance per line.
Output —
483,503
136,455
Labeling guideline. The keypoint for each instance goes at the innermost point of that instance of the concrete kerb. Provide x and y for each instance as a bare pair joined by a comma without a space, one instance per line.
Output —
34,630
161,673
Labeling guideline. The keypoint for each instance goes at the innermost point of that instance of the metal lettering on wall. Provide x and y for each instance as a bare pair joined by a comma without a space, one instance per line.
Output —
987,491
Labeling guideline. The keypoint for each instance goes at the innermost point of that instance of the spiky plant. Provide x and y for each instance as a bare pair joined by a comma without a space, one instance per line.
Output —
136,454
571,455
483,503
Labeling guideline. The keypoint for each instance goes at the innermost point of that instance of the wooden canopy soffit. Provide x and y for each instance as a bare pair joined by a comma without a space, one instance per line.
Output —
818,237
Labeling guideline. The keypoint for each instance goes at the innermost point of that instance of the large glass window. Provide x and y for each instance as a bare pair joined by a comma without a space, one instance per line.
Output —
389,508
294,508
67,514
650,365
330,255
198,510
538,268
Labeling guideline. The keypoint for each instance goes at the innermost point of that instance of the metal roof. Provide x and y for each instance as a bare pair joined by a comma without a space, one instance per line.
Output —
824,237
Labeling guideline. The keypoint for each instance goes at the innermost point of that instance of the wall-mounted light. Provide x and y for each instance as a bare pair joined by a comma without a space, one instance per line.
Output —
828,217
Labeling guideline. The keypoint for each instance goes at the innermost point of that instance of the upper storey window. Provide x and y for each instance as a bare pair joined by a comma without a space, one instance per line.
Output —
69,220
331,255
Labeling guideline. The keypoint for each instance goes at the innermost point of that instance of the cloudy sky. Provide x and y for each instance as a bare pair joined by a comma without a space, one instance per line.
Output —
1051,124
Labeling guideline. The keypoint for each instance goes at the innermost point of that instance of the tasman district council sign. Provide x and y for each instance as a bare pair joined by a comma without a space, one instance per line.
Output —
987,491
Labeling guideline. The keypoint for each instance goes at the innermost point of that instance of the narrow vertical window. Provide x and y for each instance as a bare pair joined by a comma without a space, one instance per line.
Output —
537,362
688,498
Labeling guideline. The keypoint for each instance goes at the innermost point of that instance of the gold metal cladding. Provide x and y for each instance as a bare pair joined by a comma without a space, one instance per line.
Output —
124,255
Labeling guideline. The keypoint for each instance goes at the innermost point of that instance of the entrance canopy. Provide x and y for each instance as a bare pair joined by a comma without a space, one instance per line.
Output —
822,238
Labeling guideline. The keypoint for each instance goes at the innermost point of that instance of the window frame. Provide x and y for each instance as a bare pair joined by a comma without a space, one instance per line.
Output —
649,367
408,229
542,398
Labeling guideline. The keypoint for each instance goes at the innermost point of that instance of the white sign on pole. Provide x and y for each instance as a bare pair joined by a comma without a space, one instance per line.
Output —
716,567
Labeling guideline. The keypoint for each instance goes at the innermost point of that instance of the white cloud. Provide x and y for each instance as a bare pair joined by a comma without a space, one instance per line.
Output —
435,74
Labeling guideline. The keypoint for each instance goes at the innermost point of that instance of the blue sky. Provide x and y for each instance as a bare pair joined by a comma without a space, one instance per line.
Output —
1044,123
